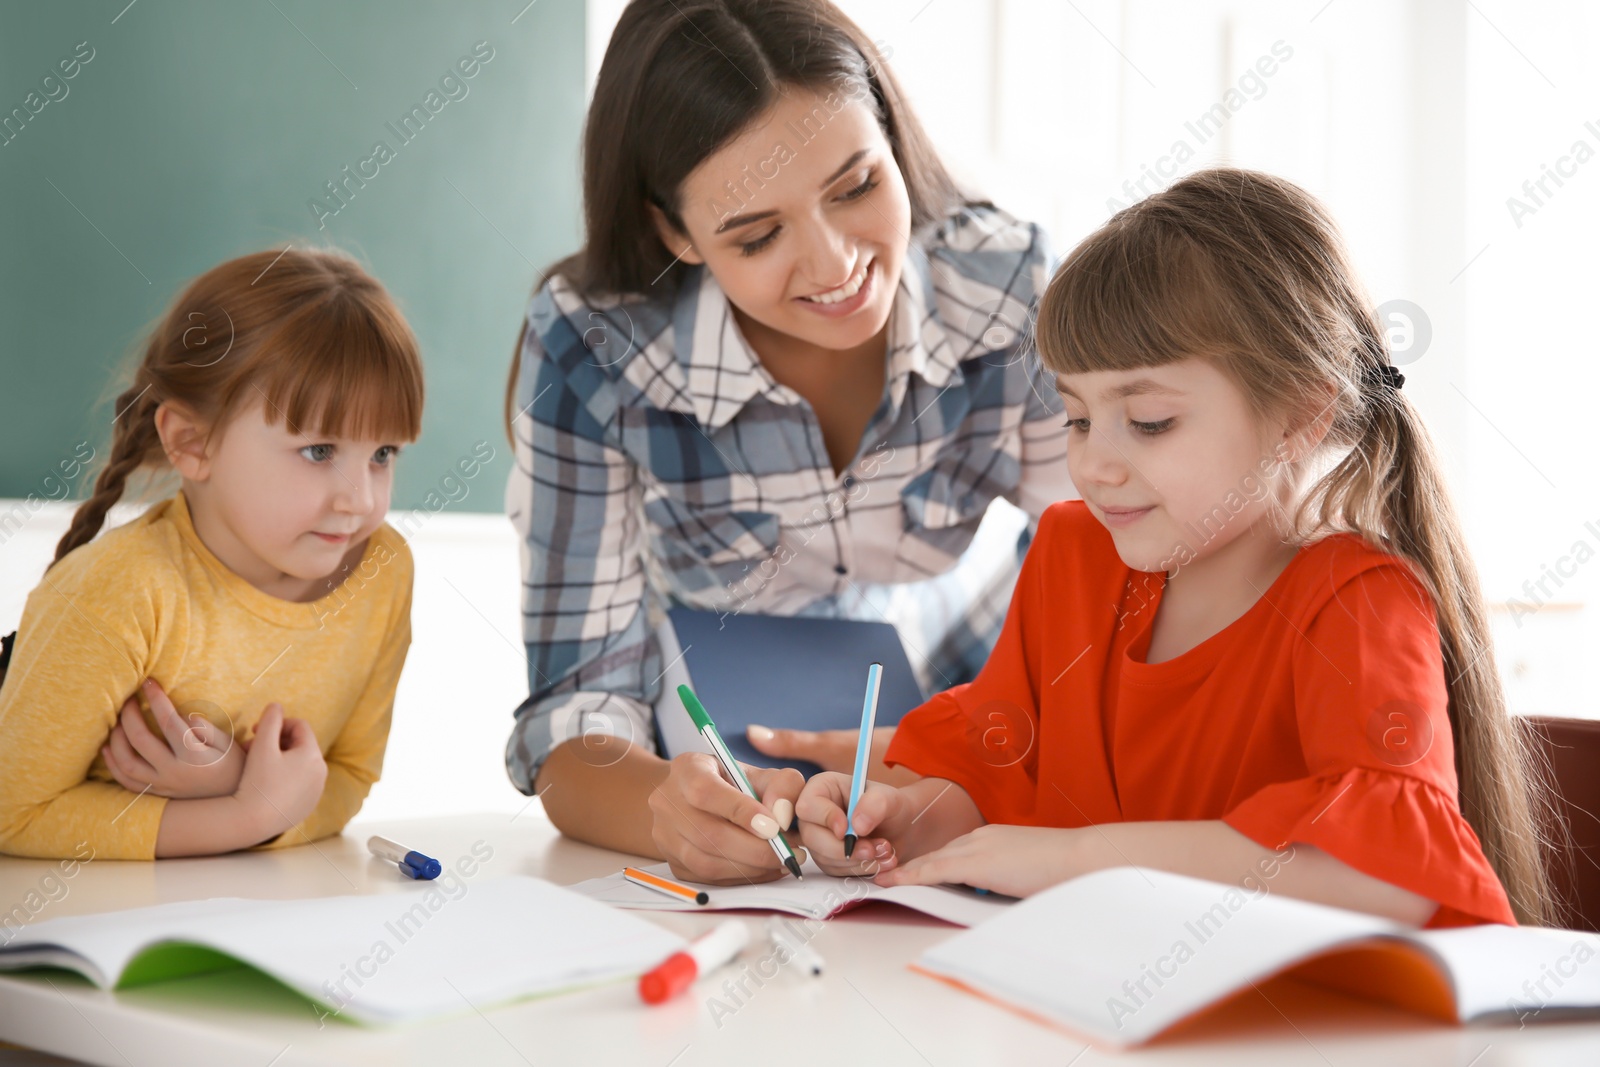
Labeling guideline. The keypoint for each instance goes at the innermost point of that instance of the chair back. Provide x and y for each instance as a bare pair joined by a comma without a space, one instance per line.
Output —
1572,747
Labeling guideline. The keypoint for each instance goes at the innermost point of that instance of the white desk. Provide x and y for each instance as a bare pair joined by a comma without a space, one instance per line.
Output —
867,1008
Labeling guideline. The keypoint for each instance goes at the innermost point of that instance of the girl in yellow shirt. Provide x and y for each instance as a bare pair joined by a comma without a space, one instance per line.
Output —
220,672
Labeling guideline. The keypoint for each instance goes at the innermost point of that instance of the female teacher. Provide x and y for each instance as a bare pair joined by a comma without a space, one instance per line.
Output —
787,368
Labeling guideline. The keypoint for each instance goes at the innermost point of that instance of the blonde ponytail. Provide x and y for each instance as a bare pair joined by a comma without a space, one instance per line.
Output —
1390,489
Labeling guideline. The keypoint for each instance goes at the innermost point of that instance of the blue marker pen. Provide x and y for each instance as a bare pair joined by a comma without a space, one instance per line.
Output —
858,780
412,864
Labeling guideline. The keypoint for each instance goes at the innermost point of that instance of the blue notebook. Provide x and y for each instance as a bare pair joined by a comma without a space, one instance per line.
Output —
796,673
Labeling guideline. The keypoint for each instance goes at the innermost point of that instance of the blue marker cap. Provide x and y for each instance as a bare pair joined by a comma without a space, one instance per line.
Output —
412,864
419,866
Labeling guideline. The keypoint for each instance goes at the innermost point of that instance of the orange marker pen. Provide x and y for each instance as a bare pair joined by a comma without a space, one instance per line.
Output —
665,885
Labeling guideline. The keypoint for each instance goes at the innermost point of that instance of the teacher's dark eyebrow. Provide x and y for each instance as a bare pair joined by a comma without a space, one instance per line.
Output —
756,216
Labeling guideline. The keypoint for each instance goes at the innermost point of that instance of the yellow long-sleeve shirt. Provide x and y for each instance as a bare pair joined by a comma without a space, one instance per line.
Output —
149,600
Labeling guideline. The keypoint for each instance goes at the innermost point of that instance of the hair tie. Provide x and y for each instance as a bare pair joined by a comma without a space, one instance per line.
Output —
1384,374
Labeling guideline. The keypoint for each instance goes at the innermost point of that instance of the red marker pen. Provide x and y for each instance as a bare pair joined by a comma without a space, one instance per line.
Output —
704,954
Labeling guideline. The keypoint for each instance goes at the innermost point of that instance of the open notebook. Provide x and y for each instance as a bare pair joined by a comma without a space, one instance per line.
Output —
1121,955
818,896
377,959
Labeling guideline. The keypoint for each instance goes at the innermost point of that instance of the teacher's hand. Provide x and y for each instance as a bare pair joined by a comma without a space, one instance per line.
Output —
709,831
832,750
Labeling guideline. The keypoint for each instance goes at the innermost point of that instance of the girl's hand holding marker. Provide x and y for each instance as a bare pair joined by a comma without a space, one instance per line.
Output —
858,777
838,813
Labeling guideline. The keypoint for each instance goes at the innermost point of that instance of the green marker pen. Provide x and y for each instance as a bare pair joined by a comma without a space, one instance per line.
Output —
735,773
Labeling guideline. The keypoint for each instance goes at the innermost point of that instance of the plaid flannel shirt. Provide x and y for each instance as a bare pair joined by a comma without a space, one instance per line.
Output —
658,463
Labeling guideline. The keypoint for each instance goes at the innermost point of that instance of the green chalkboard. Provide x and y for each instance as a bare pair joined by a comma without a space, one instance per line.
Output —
191,131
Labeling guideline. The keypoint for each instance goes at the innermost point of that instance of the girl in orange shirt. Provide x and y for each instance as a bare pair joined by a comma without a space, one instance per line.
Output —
1256,651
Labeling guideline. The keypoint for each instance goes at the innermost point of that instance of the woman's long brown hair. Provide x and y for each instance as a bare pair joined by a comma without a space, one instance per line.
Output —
306,332
682,78
1249,270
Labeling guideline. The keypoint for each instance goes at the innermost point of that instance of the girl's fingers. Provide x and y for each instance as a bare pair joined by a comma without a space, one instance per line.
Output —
821,812
877,865
122,778
870,812
203,732
167,716
130,762
824,795
829,849
147,744
833,812
133,764
924,870
297,733
269,728
869,857
955,864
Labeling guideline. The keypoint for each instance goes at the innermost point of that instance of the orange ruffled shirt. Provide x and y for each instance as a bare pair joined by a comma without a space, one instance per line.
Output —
1318,717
